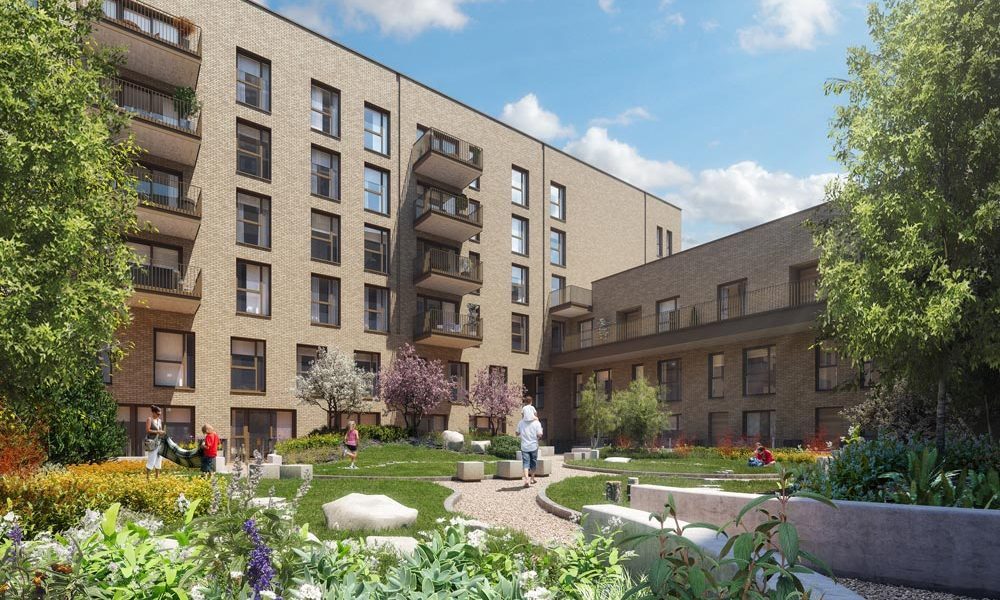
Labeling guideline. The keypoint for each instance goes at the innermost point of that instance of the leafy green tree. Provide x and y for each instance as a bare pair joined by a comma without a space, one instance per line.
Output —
638,411
67,200
85,429
910,250
595,415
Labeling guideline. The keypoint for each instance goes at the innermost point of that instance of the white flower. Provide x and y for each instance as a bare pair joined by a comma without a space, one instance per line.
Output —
197,593
10,517
527,577
268,594
309,591
182,504
113,567
538,593
477,538
236,575
439,520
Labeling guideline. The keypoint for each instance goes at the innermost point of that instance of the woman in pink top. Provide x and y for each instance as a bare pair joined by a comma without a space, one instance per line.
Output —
351,440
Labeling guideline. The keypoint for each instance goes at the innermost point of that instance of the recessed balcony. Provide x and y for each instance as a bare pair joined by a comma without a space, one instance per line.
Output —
173,209
570,302
447,159
447,272
447,215
171,288
164,126
158,45
447,329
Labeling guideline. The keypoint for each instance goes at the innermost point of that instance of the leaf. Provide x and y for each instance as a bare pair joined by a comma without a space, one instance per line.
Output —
788,539
110,521
752,505
814,496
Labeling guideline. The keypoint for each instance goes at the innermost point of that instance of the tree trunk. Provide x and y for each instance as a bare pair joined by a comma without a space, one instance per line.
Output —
942,416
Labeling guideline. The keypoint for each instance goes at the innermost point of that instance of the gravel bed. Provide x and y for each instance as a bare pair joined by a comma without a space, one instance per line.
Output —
880,591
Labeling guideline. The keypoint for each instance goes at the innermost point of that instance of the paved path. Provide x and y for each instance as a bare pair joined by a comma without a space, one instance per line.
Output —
507,503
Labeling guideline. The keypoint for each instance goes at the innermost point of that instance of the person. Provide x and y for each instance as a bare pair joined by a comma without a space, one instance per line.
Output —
761,458
154,431
528,412
209,450
351,439
529,432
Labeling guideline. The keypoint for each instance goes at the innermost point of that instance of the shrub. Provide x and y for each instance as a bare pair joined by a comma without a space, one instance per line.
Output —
83,426
386,434
310,442
639,416
505,446
855,471
20,450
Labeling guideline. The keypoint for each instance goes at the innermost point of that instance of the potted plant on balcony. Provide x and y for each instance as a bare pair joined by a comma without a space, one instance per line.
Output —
184,26
187,105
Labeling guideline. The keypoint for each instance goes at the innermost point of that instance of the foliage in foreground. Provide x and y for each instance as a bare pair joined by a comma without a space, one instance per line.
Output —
85,427
504,446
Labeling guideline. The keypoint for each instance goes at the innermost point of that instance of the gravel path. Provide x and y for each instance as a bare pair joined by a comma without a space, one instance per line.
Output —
507,503
878,591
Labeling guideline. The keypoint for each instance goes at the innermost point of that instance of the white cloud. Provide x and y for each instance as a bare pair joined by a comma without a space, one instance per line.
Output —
675,19
528,115
607,6
789,24
626,117
709,25
623,160
401,18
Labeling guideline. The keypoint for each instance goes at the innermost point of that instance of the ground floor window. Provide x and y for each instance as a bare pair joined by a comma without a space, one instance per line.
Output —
481,424
758,426
339,420
257,429
432,424
179,422
830,424
719,428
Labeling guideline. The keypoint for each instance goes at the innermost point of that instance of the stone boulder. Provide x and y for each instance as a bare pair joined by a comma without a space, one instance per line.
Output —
453,440
480,446
363,511
400,544
617,459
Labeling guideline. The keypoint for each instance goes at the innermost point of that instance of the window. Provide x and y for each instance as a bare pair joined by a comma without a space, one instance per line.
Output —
638,372
673,423
376,308
758,425
253,150
161,186
669,373
758,371
156,266
664,242
518,186
830,424
474,213
719,428
577,389
732,298
716,375
376,190
340,419
376,130
519,284
670,243
585,329
305,356
253,81
376,249
474,259
557,202
459,373
325,237
519,235
667,317
519,333
325,110
557,247
540,394
826,368
869,374
370,362
173,359
325,300
247,365
659,242
253,220
557,282
499,369
253,288
558,333
325,173
604,382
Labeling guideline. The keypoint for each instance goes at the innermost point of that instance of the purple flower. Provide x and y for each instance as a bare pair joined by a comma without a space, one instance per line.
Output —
259,569
16,535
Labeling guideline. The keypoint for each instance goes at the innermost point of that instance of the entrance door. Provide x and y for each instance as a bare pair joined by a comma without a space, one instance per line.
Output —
261,429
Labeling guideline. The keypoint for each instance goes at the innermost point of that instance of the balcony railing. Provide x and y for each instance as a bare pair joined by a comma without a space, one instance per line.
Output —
162,191
154,106
460,150
446,203
158,25
435,260
432,322
181,280
571,294
776,297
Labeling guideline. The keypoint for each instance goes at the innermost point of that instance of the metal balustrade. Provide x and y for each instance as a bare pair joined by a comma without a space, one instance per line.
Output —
179,32
451,146
447,203
163,191
432,322
154,106
176,279
449,263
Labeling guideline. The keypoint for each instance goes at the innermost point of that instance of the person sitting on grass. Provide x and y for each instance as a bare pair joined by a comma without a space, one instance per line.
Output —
761,458
351,439
209,450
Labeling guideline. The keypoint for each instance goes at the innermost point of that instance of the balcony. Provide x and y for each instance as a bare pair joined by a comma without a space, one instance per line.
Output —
447,272
570,302
447,330
158,44
173,209
165,126
447,215
171,288
447,159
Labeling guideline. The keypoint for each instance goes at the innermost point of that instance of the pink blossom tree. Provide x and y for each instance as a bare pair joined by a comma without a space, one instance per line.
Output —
412,386
494,398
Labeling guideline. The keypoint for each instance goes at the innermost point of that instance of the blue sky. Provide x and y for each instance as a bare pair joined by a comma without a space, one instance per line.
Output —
716,105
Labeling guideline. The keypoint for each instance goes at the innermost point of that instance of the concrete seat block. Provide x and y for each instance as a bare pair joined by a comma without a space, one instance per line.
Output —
470,471
295,471
546,451
509,469
273,459
267,471
544,468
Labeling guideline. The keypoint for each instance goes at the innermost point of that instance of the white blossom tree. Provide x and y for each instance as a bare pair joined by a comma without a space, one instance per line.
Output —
334,383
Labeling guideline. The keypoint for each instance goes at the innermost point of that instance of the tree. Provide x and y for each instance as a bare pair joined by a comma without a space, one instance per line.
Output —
67,201
638,410
85,429
595,415
412,386
910,250
334,383
494,398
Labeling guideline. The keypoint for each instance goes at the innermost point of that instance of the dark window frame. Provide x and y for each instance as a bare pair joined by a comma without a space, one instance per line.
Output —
386,125
270,72
188,342
333,180
712,378
259,368
261,225
385,237
312,110
525,272
336,301
664,373
525,324
266,312
333,240
772,370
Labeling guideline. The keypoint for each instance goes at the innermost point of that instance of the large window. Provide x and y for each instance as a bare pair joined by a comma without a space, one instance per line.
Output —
557,202
519,333
732,298
577,389
669,375
325,300
585,329
557,282
376,249
376,308
519,235
247,365
325,173
826,368
664,242
831,425
659,242
458,372
758,371
173,359
758,425
667,317
518,186
604,383
253,220
558,333
376,130
253,150
370,362
253,288
325,237
253,81
305,356
557,247
716,375
376,190
519,284
325,109
638,372
161,186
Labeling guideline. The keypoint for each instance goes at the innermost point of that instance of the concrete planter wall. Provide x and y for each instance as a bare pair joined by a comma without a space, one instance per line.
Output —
953,549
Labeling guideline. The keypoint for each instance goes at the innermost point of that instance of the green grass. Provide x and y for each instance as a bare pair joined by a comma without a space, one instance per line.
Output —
577,492
690,464
425,496
398,460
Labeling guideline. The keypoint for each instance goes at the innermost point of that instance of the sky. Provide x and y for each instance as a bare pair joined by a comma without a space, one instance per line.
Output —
715,105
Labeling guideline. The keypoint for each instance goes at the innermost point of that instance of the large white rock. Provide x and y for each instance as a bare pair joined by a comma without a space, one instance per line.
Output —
480,446
617,459
269,502
400,544
363,511
453,440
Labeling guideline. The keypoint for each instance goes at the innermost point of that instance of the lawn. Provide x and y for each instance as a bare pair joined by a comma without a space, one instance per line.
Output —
400,460
576,492
690,464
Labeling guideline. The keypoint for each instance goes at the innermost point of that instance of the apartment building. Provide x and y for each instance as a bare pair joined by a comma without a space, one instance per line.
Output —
299,195
726,330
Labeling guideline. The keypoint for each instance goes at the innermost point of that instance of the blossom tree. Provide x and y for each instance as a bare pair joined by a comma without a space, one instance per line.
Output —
412,386
494,398
334,383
